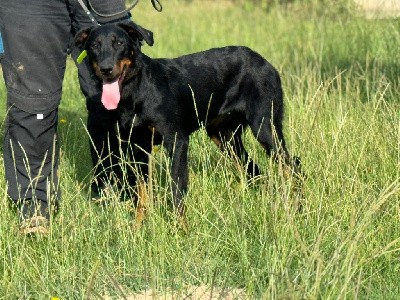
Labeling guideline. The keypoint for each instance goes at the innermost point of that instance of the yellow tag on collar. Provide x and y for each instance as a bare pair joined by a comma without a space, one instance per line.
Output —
81,56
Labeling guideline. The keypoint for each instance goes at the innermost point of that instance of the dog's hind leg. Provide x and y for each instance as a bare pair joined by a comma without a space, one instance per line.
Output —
230,140
270,135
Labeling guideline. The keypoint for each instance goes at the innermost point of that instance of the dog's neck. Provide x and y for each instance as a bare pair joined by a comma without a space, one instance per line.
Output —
131,84
134,69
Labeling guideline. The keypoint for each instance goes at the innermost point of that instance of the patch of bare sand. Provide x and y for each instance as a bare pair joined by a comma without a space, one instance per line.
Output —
379,8
202,292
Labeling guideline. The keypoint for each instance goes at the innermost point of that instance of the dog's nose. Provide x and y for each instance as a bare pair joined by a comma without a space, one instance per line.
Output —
106,70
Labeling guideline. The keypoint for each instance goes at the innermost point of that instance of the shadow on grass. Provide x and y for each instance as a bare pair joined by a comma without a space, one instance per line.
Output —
75,144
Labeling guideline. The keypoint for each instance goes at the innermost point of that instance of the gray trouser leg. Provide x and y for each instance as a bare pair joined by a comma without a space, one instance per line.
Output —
36,36
31,155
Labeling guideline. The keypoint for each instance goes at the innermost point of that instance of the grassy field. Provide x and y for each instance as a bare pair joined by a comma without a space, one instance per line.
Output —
246,240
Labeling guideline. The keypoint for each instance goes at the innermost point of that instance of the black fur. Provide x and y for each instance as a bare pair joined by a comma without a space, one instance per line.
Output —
165,100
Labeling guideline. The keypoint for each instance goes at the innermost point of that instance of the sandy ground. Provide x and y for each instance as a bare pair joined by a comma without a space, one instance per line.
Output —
193,293
379,8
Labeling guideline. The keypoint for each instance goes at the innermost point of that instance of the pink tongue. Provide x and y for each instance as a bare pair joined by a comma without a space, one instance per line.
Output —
111,95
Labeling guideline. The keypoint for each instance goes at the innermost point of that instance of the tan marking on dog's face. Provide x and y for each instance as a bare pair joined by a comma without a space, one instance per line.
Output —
124,63
96,67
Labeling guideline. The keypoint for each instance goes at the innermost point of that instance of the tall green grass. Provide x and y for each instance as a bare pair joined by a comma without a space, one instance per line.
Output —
340,74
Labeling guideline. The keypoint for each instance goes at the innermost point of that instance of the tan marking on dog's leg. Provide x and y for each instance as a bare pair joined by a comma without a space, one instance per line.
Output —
142,204
217,141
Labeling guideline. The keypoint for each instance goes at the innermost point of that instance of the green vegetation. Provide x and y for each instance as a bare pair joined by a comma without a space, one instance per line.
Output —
342,88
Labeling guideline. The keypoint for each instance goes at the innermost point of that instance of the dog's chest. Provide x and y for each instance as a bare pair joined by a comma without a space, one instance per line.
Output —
130,113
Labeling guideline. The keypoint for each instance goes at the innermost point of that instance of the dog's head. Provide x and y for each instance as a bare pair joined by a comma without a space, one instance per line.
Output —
111,50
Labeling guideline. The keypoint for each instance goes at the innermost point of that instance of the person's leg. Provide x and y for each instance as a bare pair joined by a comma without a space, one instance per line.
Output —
31,162
35,37
31,158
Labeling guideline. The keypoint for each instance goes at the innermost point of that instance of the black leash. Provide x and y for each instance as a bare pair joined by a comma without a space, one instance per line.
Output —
88,13
156,4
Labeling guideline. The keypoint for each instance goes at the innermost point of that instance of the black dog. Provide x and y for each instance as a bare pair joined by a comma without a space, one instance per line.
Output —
165,100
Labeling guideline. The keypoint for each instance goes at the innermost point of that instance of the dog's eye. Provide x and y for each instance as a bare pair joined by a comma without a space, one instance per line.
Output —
119,43
95,45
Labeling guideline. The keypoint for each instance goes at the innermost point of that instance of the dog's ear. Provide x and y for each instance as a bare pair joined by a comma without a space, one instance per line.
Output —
137,32
82,36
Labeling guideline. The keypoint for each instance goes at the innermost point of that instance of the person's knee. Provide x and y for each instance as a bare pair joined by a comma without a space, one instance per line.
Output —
34,134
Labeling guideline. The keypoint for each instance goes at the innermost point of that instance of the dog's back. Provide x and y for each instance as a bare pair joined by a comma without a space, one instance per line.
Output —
219,81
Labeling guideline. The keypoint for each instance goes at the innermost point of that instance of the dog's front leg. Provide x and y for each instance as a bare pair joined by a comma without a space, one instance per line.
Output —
177,147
